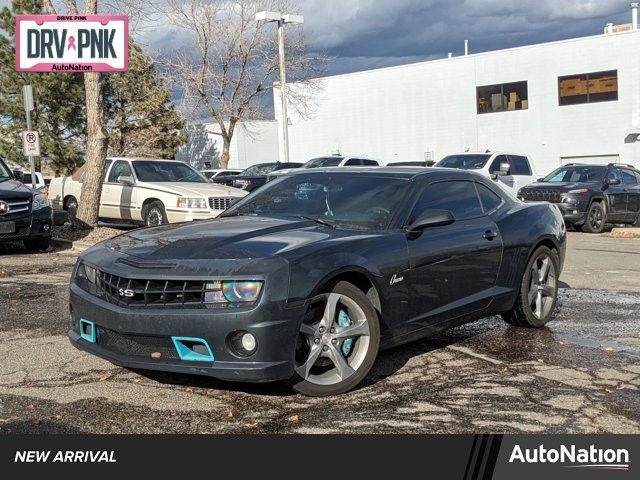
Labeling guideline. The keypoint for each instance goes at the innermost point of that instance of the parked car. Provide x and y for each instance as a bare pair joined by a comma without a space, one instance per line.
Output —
331,161
40,182
510,171
428,163
25,214
305,279
590,195
256,175
222,176
148,192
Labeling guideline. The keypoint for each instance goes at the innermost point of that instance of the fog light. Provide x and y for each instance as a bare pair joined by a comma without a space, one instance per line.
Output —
242,343
248,342
46,227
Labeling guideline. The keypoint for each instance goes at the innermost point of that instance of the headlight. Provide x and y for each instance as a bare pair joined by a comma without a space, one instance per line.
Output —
184,202
232,291
39,202
580,190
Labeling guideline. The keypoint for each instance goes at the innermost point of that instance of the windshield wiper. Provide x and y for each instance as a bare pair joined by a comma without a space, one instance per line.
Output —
320,221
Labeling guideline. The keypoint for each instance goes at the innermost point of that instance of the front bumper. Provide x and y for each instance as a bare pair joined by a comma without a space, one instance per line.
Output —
175,215
128,336
29,226
573,214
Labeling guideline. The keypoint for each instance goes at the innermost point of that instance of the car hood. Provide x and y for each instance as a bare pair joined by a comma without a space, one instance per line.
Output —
187,189
14,190
230,238
560,185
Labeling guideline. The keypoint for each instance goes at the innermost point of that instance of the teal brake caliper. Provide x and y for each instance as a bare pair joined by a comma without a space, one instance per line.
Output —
345,321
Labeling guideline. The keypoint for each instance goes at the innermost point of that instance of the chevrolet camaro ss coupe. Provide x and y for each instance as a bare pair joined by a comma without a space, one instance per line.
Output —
306,279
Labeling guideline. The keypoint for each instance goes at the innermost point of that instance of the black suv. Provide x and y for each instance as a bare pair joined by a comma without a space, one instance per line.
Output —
25,215
590,195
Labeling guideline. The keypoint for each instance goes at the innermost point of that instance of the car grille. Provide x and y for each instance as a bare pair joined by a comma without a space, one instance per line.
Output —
151,293
217,203
136,345
17,206
541,195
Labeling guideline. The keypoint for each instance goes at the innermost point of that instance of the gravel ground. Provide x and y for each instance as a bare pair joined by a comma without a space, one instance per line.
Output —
67,232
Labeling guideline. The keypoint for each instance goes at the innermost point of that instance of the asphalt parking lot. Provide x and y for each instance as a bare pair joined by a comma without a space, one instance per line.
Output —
580,374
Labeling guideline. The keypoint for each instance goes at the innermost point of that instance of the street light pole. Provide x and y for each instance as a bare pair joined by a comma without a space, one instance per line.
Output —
283,93
282,20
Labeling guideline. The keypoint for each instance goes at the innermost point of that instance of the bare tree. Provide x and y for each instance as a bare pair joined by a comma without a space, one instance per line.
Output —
229,61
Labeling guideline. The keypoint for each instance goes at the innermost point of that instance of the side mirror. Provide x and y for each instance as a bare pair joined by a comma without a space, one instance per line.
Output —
540,180
19,175
126,180
431,218
504,169
613,181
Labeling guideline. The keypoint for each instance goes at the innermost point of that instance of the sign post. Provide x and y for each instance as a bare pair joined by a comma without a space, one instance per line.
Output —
27,93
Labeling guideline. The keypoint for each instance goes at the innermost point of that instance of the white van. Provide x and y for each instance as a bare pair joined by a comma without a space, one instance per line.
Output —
512,171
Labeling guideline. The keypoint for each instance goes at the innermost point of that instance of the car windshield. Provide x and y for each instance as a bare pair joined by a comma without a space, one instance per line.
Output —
259,170
464,162
323,162
150,171
4,172
577,173
355,201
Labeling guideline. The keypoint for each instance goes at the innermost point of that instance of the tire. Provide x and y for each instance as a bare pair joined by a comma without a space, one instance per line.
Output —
37,245
536,291
71,207
321,342
154,214
595,221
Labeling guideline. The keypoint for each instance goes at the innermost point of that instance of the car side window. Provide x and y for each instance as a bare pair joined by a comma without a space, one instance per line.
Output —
121,168
107,164
458,197
353,162
495,165
628,178
369,163
519,165
489,200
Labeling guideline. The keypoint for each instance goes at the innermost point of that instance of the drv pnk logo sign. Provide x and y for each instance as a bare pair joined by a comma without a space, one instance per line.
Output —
72,43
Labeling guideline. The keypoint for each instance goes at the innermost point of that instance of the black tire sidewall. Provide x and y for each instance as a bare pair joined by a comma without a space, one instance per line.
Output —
586,227
305,387
72,212
37,245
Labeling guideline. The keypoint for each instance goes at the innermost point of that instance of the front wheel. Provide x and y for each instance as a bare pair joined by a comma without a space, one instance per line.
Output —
338,342
538,291
595,221
154,214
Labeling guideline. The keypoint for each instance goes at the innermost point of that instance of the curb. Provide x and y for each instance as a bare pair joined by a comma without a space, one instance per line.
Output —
624,233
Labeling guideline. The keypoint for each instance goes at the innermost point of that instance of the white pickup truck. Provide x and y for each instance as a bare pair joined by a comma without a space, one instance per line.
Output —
148,191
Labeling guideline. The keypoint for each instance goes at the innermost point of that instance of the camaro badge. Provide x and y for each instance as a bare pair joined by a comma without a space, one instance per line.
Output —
395,279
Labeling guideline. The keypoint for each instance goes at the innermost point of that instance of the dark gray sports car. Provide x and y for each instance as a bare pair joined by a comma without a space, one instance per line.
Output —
307,278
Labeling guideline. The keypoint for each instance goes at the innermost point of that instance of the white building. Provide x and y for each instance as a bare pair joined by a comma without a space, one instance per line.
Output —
574,100
253,142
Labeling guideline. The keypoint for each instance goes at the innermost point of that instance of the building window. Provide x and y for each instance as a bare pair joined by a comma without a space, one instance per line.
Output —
588,88
502,97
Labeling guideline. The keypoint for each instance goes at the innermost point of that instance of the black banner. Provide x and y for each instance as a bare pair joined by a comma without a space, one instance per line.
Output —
466,457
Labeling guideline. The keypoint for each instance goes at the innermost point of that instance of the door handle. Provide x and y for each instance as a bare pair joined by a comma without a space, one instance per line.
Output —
489,235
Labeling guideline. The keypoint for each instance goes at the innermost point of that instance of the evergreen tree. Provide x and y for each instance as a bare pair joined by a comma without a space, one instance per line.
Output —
141,119
58,99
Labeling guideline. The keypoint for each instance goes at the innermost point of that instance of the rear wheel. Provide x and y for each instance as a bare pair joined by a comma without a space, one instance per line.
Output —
338,342
538,291
154,214
595,221
37,245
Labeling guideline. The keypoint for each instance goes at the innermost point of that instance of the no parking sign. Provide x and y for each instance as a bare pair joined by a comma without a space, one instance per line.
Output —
30,143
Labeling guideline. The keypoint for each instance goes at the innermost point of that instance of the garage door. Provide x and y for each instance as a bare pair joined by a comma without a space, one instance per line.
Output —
592,160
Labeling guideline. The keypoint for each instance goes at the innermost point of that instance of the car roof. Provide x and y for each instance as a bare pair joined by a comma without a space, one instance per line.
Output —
145,159
393,172
487,153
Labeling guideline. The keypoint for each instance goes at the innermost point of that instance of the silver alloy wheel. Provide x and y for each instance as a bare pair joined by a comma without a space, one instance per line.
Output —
324,362
154,217
542,286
